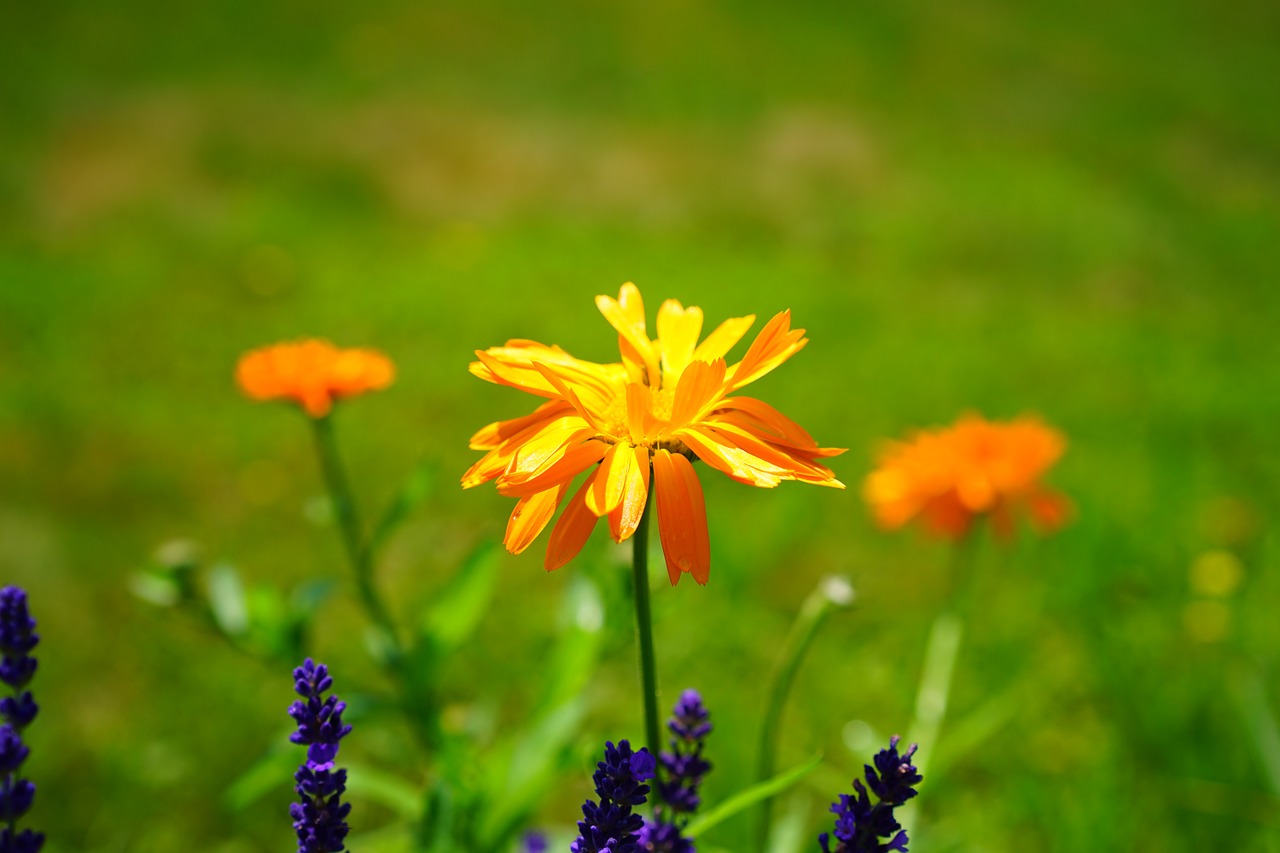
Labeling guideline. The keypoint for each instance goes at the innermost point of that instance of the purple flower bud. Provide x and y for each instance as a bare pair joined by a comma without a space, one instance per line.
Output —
682,770
611,826
17,639
860,826
319,817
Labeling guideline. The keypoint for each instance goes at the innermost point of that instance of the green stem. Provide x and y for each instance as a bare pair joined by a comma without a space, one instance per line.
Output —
344,510
831,592
644,630
941,653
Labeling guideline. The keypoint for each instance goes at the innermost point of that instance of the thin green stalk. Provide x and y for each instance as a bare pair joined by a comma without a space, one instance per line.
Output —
344,509
941,653
831,592
644,630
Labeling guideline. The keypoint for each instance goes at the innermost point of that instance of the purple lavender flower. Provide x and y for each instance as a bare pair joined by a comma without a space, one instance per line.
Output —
682,770
611,826
320,816
535,842
859,824
17,666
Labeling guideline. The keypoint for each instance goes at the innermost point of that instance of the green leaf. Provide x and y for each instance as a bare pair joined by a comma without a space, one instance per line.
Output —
456,610
573,662
158,589
272,772
385,789
227,601
748,797
535,762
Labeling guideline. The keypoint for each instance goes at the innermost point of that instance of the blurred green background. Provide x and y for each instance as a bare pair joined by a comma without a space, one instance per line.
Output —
1008,207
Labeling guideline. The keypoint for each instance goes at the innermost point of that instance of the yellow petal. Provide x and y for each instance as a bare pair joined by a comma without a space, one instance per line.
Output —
495,433
625,517
678,331
719,342
610,479
626,314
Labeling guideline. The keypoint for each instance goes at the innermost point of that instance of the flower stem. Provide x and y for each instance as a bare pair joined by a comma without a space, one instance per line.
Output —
644,630
941,653
830,592
344,509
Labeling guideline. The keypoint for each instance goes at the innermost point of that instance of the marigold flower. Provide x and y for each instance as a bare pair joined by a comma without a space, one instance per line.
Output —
312,373
948,477
668,402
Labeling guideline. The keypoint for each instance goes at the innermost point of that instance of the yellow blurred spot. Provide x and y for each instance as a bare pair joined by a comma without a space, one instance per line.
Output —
262,482
1216,574
1207,621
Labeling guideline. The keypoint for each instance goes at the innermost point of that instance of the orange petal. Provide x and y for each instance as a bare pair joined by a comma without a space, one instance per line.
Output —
639,411
576,459
766,456
530,516
699,388
547,444
563,387
682,517
776,343
625,518
495,433
572,530
726,458
610,479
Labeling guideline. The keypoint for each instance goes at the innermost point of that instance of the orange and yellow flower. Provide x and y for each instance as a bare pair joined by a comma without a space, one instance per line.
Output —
312,373
948,477
636,426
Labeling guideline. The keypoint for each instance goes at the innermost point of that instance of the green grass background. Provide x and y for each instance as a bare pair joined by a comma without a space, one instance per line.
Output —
1008,207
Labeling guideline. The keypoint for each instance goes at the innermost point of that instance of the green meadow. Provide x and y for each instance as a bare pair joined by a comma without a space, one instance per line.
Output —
1004,208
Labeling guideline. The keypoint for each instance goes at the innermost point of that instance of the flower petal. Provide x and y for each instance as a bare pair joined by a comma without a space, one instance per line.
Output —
678,330
719,342
530,516
766,456
572,530
682,517
776,343
698,391
625,517
738,464
610,479
576,459
495,433
626,314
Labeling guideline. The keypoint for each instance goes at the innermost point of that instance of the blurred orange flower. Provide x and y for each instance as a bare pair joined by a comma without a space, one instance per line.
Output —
312,373
667,403
948,477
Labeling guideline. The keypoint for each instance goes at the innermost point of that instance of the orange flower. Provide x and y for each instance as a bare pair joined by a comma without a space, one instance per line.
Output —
642,420
947,477
312,373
